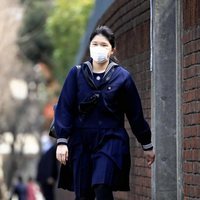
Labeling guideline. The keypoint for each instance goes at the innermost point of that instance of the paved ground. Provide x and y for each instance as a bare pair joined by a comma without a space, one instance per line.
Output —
63,194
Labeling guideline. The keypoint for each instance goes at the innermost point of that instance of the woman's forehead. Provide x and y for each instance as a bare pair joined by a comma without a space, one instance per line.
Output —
100,38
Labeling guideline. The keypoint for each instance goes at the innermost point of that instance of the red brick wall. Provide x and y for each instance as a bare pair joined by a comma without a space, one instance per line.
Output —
191,98
130,21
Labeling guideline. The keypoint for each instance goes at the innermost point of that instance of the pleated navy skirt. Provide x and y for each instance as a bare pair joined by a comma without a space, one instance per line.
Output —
97,156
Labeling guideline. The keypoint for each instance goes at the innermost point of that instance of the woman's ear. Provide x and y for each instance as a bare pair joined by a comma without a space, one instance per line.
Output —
113,51
113,55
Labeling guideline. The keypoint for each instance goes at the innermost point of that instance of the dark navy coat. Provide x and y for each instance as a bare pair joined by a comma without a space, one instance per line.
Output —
97,112
48,169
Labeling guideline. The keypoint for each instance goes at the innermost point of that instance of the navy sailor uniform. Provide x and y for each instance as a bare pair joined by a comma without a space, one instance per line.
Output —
89,118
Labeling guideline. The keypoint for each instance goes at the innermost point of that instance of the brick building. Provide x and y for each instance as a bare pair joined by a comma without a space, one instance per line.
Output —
159,43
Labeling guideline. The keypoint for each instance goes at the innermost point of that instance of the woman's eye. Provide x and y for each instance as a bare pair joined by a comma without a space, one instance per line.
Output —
101,45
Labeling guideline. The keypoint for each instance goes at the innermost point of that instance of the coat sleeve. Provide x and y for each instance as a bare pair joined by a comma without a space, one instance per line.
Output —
65,109
134,113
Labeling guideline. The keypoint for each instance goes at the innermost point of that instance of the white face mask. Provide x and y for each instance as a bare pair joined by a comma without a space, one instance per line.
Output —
99,54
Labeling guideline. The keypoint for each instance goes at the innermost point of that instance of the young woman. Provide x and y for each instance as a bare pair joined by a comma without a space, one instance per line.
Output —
89,121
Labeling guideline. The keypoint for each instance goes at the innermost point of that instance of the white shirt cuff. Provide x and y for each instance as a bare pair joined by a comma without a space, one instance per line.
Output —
147,146
62,140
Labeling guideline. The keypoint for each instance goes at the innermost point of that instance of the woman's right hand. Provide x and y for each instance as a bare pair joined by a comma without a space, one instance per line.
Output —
62,153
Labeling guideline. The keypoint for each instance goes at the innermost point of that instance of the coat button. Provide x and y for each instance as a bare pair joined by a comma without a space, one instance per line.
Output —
109,88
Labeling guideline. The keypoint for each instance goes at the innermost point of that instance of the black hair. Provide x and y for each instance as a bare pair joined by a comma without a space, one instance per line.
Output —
106,32
20,179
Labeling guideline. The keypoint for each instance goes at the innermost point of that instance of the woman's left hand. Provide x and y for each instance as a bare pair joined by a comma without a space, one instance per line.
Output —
150,157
